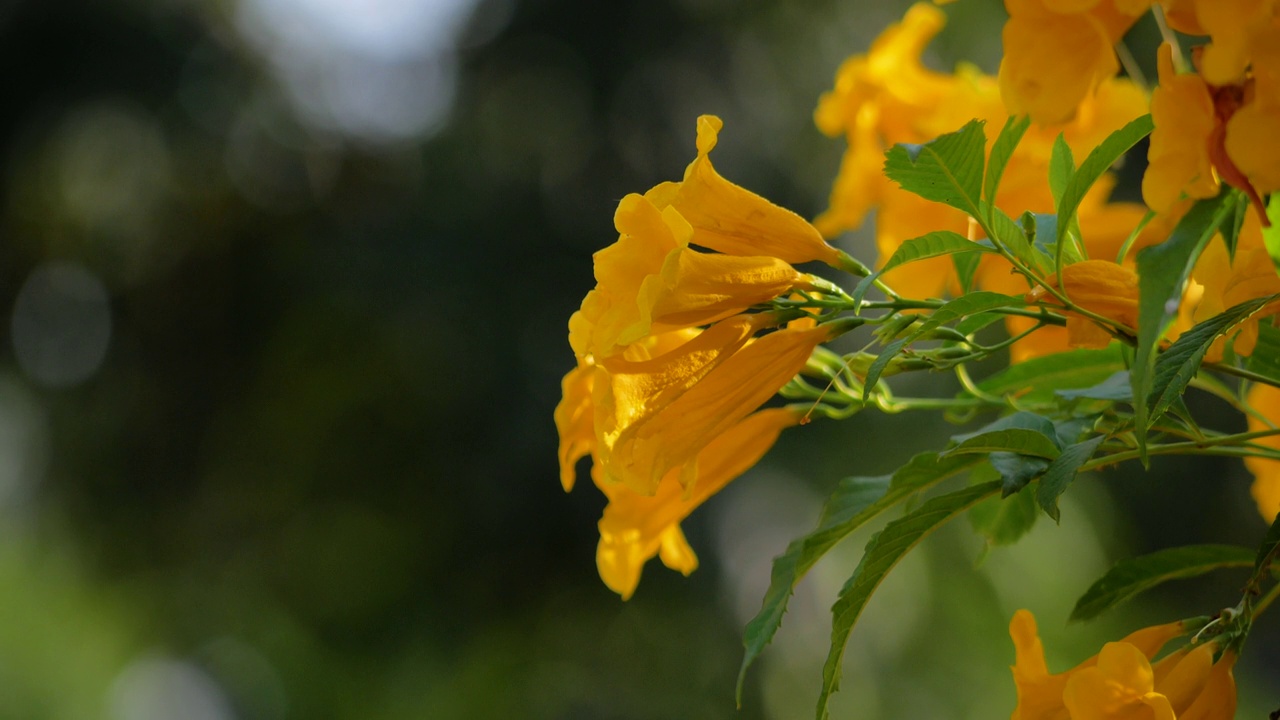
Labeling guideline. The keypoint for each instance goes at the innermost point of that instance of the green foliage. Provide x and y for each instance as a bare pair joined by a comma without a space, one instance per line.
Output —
961,307
1001,151
1163,270
1176,366
1016,470
856,501
947,170
1062,471
1062,165
1271,235
1098,162
934,244
1133,575
1265,359
1036,380
882,553
1115,388
1004,520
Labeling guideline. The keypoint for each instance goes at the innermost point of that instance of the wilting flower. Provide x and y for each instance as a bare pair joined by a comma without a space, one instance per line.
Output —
1121,681
1265,399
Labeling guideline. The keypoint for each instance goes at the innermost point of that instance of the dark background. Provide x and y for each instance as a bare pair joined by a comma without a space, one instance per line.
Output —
284,288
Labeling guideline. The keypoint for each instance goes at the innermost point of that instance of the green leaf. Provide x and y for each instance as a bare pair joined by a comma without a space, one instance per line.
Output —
1095,165
1162,271
1062,165
1011,235
1004,520
1001,150
1062,471
883,552
1016,471
966,265
856,501
1015,440
1115,388
934,244
1133,575
1266,551
1175,367
1271,235
1037,379
974,323
946,170
1235,220
1265,359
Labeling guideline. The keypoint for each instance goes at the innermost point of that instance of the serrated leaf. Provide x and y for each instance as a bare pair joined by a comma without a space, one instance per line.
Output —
1265,359
946,170
1230,231
883,552
1095,166
1022,420
1015,470
856,501
1133,575
1038,378
1004,520
1014,440
974,323
1062,165
1175,367
1115,388
966,265
1001,150
1266,551
1162,271
1061,472
934,244
1014,239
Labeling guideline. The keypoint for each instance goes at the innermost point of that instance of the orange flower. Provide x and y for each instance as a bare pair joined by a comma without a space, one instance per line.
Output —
1101,287
635,527
1266,473
1056,52
1120,682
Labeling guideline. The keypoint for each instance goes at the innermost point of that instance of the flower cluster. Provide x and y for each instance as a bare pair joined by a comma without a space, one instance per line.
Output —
981,213
671,365
1121,681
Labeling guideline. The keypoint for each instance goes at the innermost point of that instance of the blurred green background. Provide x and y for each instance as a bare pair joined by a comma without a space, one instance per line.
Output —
285,285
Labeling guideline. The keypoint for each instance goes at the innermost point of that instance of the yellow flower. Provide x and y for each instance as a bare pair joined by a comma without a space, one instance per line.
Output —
1266,473
1227,282
651,281
887,96
1056,52
1101,287
635,527
1178,156
658,414
1120,683
735,221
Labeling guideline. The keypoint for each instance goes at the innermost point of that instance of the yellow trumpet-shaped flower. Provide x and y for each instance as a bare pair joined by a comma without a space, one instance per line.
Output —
1120,682
636,527
1266,473
1101,287
658,414
1056,52
732,220
1179,160
650,280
